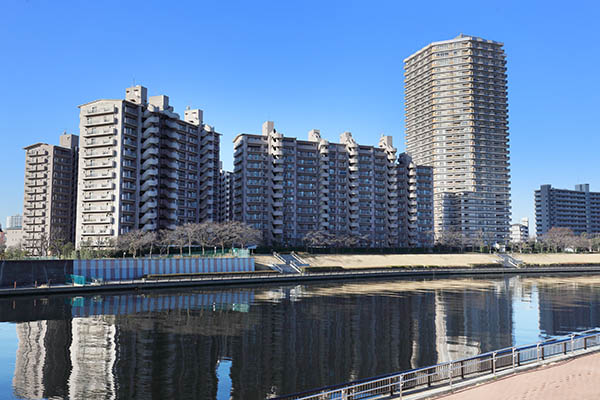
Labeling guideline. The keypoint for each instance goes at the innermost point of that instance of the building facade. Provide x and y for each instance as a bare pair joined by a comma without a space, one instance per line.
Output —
519,233
578,210
287,187
14,222
143,167
50,194
225,196
457,123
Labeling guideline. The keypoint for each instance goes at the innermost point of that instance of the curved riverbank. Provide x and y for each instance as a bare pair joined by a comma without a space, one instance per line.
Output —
264,278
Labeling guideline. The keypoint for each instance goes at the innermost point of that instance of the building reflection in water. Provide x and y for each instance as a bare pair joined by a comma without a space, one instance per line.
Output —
250,343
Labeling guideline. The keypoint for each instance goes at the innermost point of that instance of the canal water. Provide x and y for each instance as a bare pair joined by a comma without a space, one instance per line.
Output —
255,342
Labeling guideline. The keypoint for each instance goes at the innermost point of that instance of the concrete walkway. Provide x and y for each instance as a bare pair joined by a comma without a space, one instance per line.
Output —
573,379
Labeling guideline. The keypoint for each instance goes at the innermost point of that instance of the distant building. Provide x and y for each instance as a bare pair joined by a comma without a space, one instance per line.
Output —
14,237
225,196
578,210
144,167
287,187
457,122
519,233
14,221
50,193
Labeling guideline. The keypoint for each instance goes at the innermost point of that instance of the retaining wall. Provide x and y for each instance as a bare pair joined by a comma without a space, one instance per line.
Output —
28,272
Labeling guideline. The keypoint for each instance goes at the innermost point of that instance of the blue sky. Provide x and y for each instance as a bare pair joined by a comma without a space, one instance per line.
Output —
328,65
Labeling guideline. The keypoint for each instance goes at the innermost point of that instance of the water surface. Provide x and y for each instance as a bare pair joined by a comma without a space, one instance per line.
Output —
251,343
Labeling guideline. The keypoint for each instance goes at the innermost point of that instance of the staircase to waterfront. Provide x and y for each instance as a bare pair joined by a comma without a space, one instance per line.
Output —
509,261
289,263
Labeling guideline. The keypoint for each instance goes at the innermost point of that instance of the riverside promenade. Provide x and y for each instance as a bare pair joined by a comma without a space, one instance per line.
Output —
577,378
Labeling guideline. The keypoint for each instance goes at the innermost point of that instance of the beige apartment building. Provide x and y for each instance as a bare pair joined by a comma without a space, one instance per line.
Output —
457,123
143,167
287,187
50,195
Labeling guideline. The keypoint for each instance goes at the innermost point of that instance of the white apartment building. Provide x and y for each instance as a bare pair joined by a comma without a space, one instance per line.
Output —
142,167
287,188
457,123
50,195
519,233
14,222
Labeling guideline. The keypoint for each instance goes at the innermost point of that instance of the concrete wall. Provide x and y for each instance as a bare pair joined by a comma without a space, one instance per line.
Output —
27,272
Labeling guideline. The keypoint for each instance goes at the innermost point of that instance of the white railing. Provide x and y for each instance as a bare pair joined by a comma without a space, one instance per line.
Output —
454,372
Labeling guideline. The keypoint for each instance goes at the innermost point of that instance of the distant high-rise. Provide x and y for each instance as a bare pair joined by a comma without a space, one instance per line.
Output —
14,221
578,210
142,167
457,123
50,195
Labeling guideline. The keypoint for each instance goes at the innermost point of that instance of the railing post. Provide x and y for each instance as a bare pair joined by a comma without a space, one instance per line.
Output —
572,343
344,397
585,343
564,347
450,375
462,370
400,386
494,363
537,352
429,377
518,359
542,351
513,359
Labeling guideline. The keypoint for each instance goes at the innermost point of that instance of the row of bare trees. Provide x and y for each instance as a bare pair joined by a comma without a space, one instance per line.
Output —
327,239
203,235
560,239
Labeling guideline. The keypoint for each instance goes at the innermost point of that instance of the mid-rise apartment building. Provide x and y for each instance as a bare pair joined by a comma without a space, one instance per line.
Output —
457,123
287,187
14,221
519,233
578,210
50,195
143,167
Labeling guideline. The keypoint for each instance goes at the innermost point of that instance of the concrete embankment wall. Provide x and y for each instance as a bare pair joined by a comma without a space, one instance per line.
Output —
30,272
134,268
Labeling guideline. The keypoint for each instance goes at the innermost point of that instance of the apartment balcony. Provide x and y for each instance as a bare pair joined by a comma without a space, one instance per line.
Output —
152,120
99,110
151,141
353,208
153,131
277,151
172,195
98,153
148,217
277,231
278,221
96,142
150,183
150,152
148,164
353,167
353,151
98,186
95,231
98,197
148,205
278,195
87,220
278,169
173,145
98,121
35,205
277,213
87,208
88,164
37,160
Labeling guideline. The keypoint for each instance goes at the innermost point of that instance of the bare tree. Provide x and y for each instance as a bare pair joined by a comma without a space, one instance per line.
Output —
245,234
205,235
558,238
132,241
178,237
225,234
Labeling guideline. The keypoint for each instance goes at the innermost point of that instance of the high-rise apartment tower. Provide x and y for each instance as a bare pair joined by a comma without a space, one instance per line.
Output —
457,123
50,195
142,167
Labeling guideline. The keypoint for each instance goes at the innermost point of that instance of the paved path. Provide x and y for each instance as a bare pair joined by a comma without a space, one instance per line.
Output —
574,379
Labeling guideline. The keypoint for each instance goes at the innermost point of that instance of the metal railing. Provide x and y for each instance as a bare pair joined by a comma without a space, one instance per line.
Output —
453,372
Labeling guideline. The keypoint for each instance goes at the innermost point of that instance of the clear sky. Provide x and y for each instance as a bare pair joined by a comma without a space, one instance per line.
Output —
329,65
